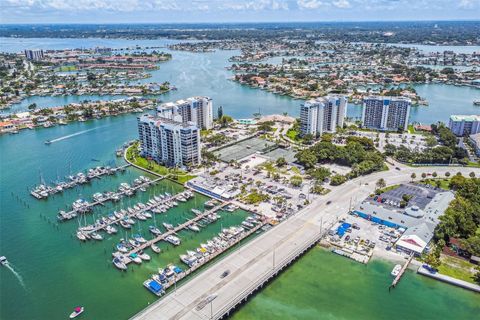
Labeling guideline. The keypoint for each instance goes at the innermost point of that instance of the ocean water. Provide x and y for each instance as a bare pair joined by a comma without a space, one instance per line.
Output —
52,271
322,285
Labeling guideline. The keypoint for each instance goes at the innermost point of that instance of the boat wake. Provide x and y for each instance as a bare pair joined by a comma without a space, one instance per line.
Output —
72,135
17,275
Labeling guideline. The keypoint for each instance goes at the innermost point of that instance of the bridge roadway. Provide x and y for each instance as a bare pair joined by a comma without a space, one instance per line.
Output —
258,258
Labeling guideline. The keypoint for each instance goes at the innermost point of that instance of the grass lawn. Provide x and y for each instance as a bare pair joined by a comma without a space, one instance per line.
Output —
444,183
66,68
456,268
294,135
473,164
177,175
411,129
393,187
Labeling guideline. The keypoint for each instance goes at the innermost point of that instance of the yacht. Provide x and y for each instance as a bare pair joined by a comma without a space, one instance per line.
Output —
197,212
125,224
122,248
3,261
139,238
173,240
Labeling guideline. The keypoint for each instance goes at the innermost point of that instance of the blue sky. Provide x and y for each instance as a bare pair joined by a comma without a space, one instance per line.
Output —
165,11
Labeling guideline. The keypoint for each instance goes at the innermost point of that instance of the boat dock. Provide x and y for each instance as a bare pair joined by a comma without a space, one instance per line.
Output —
399,276
87,207
183,274
43,191
130,215
124,256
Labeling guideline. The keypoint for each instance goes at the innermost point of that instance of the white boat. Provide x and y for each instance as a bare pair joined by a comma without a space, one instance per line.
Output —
155,248
173,240
96,236
135,258
81,236
194,227
155,230
396,270
144,256
197,212
168,226
76,312
3,261
119,264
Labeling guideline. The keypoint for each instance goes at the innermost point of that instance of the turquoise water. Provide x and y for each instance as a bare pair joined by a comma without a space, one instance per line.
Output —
322,285
53,271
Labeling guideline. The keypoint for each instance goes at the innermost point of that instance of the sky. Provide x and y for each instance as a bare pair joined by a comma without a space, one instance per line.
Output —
184,11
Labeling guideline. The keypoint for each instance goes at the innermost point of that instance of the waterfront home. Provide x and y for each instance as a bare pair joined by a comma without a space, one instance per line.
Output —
7,126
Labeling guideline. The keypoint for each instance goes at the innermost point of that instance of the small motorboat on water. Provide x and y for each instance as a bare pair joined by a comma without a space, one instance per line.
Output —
155,230
96,236
155,248
168,226
144,256
119,264
135,258
76,312
194,227
3,261
396,270
81,236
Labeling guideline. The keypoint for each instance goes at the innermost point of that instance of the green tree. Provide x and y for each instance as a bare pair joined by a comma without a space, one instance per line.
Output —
472,174
447,174
424,175
434,174
32,106
413,176
381,183
433,259
296,181
337,180
281,162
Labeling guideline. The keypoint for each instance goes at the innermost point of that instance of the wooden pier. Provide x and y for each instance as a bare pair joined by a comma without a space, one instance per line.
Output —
71,214
399,276
128,215
124,256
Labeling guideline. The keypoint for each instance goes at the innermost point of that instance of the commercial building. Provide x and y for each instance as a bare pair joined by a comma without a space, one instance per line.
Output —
475,140
172,143
198,110
419,218
462,125
323,114
386,113
34,54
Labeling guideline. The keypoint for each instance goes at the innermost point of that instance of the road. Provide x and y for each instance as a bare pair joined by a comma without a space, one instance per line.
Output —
257,258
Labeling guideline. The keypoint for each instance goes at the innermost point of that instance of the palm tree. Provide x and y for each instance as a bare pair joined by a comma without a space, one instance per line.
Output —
413,176
447,174
472,174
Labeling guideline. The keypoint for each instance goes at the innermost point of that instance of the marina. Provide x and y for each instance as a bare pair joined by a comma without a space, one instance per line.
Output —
43,191
83,206
167,236
168,277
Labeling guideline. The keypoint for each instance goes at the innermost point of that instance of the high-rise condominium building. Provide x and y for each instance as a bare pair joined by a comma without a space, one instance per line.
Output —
463,125
34,54
323,114
173,143
198,110
386,113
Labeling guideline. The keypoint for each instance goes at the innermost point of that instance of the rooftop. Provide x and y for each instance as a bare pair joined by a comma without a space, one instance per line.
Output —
472,117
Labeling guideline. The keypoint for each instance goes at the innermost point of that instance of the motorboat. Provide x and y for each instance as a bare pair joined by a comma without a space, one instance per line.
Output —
147,214
3,261
119,264
139,238
396,270
124,224
135,258
141,217
155,230
134,243
194,227
81,236
154,287
96,236
155,248
173,240
76,312
111,229
122,248
197,212
168,226
144,256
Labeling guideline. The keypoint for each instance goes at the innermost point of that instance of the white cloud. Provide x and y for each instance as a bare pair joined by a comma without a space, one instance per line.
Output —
310,4
344,4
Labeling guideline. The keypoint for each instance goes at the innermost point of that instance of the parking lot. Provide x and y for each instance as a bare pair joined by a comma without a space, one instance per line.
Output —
362,236
414,142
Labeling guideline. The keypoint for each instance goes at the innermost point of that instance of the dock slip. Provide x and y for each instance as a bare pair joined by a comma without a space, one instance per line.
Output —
399,276
43,191
210,257
62,215
124,256
130,215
